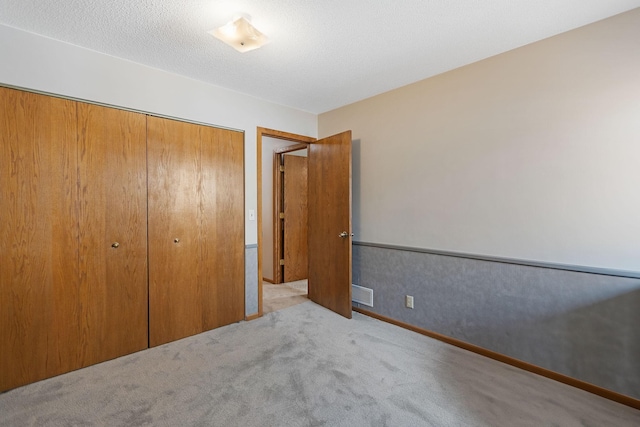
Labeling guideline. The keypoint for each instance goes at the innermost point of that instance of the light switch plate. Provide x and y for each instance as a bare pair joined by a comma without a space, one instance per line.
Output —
408,301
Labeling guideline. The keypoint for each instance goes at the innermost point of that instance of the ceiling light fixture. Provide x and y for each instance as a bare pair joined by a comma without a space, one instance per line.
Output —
240,35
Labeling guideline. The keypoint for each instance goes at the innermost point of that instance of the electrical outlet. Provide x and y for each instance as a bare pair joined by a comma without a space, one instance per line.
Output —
408,301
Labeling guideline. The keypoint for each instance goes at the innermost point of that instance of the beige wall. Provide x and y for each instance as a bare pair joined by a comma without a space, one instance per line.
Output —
533,154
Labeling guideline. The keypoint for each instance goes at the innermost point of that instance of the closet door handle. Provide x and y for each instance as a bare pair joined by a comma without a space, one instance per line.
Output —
176,240
115,245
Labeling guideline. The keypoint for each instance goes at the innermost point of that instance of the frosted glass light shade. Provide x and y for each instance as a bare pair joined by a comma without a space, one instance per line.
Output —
240,35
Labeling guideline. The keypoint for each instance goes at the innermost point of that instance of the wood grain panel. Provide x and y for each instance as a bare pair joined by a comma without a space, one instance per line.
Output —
329,215
175,309
38,238
295,218
113,208
196,194
221,269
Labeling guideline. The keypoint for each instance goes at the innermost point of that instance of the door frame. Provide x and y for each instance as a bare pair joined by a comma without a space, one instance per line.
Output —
278,197
271,133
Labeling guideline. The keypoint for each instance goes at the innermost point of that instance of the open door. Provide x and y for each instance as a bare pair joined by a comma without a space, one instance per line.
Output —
329,218
295,247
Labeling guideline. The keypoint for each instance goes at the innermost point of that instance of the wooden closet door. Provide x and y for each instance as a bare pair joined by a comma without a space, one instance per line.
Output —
196,195
175,309
221,270
39,313
113,232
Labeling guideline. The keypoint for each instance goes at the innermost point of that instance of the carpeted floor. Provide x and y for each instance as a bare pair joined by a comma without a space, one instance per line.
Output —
306,366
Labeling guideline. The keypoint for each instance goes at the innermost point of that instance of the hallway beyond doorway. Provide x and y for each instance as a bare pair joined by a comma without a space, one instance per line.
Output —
277,297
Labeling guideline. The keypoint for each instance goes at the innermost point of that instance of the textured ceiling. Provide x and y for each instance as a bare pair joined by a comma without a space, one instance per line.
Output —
323,53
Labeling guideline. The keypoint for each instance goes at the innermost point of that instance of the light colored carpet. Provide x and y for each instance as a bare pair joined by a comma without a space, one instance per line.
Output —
277,297
306,366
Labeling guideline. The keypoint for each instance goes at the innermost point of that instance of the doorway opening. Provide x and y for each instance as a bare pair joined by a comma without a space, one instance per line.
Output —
329,238
273,149
289,219
286,284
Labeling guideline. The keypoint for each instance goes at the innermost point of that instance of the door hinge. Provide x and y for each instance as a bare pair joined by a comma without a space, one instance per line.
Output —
281,215
281,262
281,168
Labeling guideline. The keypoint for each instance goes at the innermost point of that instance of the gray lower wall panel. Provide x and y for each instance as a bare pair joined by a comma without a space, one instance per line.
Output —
582,325
250,280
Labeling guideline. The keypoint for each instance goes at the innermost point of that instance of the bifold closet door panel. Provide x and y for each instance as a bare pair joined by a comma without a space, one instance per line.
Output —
175,296
196,228
222,226
113,231
39,314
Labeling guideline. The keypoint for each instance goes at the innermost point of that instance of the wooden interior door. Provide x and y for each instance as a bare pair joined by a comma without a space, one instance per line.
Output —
196,228
112,168
39,317
295,218
330,223
173,168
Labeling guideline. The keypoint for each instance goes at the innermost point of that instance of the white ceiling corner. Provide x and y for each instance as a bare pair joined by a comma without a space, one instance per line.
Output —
323,54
